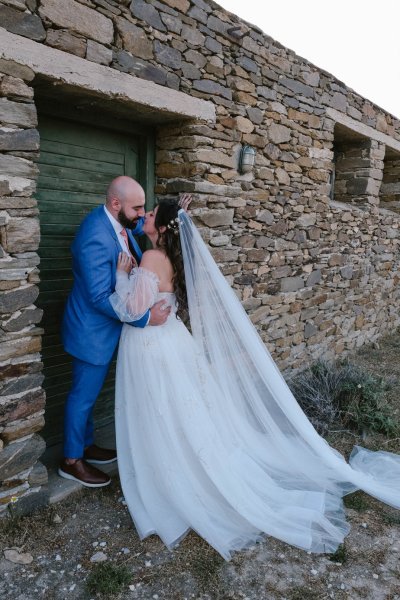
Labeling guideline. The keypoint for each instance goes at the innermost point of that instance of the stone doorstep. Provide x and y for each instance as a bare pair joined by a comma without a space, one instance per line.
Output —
60,488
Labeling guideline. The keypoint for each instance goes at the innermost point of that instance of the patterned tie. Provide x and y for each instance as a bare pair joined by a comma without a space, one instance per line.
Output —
124,234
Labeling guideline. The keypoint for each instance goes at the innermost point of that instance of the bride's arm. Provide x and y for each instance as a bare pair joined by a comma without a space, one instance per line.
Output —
134,293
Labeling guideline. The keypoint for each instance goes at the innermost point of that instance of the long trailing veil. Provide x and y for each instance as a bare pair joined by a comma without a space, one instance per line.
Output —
306,478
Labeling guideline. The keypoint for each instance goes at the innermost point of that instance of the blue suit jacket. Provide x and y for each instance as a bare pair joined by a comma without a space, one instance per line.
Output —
91,329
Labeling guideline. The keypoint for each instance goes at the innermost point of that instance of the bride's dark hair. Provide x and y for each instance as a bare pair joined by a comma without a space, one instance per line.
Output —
169,240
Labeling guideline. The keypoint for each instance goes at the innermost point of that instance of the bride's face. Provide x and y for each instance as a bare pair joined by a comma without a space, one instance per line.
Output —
148,226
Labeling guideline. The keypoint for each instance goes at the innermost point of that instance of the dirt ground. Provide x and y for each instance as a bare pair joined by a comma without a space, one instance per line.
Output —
86,547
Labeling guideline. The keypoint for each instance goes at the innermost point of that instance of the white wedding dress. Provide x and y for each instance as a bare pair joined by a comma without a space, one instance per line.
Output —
209,436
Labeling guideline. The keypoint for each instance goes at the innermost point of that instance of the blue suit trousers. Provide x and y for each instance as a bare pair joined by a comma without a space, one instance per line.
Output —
87,381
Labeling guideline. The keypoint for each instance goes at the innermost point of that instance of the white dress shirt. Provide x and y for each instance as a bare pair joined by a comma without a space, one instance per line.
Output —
117,228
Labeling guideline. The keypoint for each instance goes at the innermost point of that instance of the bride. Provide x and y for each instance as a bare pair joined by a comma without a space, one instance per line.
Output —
209,436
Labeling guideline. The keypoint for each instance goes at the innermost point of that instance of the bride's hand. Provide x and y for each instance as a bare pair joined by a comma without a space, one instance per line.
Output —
124,262
184,201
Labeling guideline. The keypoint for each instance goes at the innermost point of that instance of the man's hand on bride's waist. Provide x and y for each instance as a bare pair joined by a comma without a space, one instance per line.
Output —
159,313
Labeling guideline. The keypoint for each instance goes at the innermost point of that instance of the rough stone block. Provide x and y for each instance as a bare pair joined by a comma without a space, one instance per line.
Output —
22,23
21,234
19,456
134,39
147,13
222,255
192,36
215,157
9,67
15,166
336,260
198,14
19,298
307,220
19,347
11,387
279,134
267,93
190,71
213,45
98,53
16,113
168,56
217,217
255,115
20,368
64,40
291,284
203,5
25,139
212,87
298,87
347,272
309,330
19,430
24,406
12,87
196,58
20,320
247,64
314,277
172,23
181,5
70,14
218,25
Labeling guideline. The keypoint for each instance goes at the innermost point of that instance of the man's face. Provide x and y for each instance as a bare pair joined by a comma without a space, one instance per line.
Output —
129,217
131,210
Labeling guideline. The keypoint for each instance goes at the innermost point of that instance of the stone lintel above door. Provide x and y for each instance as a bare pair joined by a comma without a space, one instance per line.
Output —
154,103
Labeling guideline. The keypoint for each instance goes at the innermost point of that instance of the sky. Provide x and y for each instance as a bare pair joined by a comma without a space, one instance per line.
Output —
357,41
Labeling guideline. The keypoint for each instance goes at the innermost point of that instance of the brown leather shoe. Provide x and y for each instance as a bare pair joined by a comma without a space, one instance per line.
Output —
99,456
83,473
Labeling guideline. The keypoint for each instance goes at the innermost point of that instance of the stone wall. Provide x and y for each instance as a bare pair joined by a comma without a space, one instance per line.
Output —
306,239
22,398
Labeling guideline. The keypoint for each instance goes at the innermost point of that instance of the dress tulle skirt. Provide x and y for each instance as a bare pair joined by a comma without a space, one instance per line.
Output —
190,460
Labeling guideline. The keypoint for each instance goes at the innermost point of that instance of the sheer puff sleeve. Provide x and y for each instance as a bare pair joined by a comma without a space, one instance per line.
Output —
134,294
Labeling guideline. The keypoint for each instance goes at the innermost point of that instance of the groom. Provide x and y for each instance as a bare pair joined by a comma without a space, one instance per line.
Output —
91,329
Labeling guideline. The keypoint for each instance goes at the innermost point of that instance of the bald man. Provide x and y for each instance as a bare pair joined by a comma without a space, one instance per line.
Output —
91,329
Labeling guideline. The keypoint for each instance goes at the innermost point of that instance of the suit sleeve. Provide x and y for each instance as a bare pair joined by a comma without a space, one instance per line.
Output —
96,267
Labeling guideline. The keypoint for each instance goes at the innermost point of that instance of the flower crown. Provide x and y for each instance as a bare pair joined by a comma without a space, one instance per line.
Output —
173,226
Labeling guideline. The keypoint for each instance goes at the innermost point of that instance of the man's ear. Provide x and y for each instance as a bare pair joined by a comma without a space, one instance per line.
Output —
115,203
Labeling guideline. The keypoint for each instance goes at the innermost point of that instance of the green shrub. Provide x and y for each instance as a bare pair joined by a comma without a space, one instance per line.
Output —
345,394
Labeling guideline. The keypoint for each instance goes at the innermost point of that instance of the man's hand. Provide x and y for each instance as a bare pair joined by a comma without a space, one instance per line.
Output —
184,201
159,313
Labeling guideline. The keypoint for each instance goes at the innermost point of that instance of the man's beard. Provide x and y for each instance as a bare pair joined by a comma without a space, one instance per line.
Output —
125,222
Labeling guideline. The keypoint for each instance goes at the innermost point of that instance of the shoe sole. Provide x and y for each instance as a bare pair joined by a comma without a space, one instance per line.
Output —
91,485
95,461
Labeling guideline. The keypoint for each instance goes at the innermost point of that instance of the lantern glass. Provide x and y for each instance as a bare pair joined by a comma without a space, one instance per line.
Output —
247,159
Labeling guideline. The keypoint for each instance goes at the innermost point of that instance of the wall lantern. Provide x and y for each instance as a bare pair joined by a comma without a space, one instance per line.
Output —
247,159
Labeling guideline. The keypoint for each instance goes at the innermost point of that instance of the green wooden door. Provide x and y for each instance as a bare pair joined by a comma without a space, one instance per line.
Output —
77,162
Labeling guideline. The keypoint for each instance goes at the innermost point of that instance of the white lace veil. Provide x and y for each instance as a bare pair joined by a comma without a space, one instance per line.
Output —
251,390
